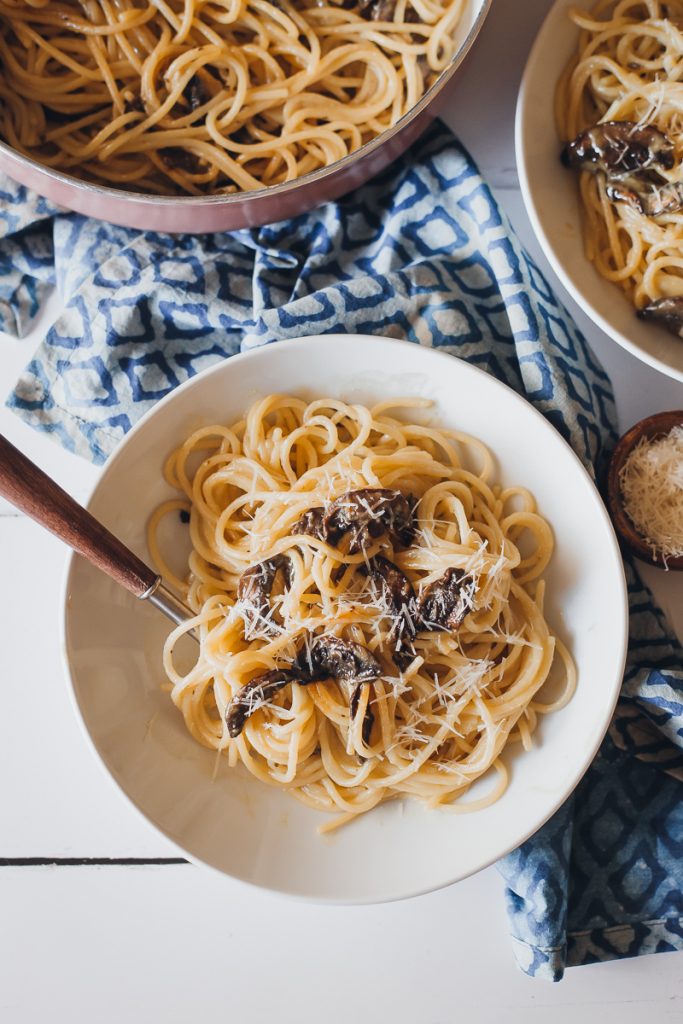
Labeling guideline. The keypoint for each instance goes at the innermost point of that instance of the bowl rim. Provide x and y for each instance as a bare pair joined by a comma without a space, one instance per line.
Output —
235,198
559,265
621,616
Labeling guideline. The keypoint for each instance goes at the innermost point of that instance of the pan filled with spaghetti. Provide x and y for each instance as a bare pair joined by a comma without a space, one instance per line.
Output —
409,639
188,115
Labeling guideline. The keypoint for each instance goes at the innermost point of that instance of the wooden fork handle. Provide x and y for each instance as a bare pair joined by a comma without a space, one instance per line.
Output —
25,485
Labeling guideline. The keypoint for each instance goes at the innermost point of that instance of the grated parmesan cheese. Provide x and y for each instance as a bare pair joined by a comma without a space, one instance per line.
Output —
651,482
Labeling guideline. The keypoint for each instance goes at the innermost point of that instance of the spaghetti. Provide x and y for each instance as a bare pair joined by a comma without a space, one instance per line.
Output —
627,70
212,96
403,644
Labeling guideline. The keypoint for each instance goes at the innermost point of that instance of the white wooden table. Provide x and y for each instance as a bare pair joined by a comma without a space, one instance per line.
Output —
105,941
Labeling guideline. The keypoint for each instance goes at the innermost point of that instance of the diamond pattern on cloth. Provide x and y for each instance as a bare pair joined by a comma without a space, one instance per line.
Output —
423,253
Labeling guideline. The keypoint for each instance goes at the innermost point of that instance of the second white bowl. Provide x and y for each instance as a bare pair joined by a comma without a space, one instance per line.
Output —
552,201
233,822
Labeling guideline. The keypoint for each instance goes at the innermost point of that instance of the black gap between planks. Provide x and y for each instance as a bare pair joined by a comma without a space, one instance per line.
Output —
32,862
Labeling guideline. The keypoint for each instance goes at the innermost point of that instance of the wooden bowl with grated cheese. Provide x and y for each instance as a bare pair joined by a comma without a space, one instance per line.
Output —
645,489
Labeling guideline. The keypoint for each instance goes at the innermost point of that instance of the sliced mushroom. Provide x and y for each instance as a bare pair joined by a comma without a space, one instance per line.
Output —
368,717
133,104
399,597
364,515
254,589
257,692
338,572
177,158
311,523
618,148
650,198
368,513
631,156
195,93
669,312
350,664
377,10
346,5
443,605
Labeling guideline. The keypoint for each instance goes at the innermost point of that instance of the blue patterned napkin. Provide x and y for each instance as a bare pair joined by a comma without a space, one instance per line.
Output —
422,253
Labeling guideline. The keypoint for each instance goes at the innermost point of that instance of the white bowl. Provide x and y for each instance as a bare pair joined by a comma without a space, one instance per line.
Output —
552,201
260,834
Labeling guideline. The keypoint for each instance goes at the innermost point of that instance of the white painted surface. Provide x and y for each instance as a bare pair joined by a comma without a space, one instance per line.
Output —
177,945
143,944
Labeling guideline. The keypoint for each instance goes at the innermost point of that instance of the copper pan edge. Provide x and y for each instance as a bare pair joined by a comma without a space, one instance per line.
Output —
200,214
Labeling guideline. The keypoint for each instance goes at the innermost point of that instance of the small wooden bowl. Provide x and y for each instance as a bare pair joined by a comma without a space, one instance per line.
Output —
653,426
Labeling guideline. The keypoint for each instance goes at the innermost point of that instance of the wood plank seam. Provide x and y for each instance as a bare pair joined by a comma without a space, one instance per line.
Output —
30,862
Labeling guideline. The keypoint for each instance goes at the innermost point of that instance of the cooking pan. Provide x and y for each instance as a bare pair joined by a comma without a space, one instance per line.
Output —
199,214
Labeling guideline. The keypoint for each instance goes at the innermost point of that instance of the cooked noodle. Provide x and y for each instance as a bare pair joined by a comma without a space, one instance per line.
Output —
442,721
628,67
205,96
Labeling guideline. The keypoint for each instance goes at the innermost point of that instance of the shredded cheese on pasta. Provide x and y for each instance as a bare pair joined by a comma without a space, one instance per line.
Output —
439,722
651,481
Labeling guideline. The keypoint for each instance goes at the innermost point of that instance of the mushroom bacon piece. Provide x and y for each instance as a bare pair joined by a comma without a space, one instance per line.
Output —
631,156
347,662
368,717
177,158
350,664
377,10
668,311
398,595
254,589
619,148
367,514
652,198
364,515
311,523
254,695
443,605
195,93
